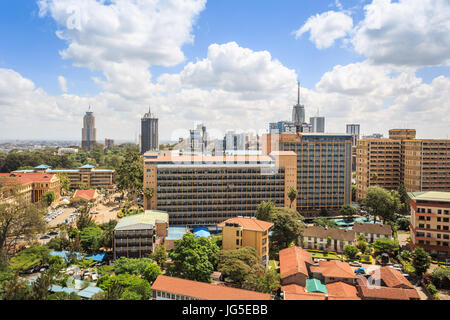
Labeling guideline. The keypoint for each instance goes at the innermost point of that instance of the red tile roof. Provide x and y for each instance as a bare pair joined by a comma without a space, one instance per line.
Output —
204,291
304,296
293,288
293,260
249,223
392,278
341,290
385,293
90,194
30,177
334,269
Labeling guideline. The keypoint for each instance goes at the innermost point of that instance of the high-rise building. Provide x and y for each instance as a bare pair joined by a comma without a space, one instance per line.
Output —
149,132
206,190
323,168
282,127
418,164
88,132
318,124
198,139
298,111
109,143
354,130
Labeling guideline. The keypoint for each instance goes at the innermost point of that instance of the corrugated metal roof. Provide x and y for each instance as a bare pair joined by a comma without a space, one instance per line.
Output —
142,220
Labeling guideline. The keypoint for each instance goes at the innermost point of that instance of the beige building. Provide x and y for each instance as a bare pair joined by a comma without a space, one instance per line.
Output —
207,190
316,237
419,164
430,221
323,168
243,232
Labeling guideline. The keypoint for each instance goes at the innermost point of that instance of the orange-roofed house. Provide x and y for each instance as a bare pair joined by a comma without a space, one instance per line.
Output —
392,278
243,232
90,195
171,288
342,291
373,291
332,271
294,266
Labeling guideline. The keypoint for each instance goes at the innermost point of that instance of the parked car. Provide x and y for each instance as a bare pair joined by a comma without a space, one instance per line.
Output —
360,271
397,266
45,237
355,264
53,233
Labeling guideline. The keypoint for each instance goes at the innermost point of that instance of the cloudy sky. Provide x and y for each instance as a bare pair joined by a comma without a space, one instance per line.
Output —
230,64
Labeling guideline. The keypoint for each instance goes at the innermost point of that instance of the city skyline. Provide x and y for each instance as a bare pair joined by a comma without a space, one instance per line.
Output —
224,75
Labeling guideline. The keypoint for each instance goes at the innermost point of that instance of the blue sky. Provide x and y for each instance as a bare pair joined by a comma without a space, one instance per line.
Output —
31,50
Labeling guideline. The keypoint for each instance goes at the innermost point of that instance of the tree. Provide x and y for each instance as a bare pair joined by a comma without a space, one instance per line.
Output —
15,288
265,211
19,218
64,182
193,259
116,286
350,251
386,245
329,241
108,230
130,175
90,239
237,265
382,203
148,193
348,211
131,266
287,228
404,200
29,258
267,282
48,198
324,222
84,219
160,255
41,286
292,195
420,261
151,272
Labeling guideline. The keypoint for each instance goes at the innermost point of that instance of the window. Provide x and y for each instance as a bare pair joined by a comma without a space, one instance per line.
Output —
237,242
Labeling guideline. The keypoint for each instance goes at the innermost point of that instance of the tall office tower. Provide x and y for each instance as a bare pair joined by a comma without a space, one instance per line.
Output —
298,111
149,132
198,139
109,143
418,164
88,132
235,141
353,129
206,190
323,168
318,124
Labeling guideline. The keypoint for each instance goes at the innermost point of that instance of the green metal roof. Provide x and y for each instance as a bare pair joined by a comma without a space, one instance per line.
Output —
149,217
430,196
315,285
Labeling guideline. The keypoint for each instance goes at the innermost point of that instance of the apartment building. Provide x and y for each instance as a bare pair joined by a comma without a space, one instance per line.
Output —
243,232
135,236
30,185
430,221
85,175
207,190
419,164
316,237
372,231
323,168
171,288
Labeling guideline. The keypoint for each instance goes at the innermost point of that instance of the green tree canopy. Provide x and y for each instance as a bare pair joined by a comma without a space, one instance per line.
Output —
265,211
386,245
288,227
420,261
267,282
151,272
90,239
350,251
48,197
131,266
160,255
292,195
382,203
193,259
130,175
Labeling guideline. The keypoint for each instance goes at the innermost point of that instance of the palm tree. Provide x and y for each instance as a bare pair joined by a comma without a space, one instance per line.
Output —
292,194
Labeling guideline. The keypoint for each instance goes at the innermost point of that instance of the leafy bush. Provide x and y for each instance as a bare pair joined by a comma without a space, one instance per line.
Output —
131,266
431,289
441,278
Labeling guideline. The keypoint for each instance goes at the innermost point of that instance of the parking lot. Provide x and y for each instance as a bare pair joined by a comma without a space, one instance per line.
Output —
67,214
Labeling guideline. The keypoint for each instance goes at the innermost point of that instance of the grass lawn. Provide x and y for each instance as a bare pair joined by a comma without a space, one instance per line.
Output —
323,255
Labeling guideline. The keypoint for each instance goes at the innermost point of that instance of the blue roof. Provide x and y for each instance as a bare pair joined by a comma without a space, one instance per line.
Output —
55,288
87,166
201,232
43,166
176,233
88,292
97,257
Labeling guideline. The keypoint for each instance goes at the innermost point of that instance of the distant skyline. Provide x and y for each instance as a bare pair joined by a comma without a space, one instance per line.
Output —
232,65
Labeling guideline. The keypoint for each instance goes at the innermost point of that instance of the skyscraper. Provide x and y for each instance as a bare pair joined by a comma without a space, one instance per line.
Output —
318,124
88,132
298,111
353,129
198,139
149,132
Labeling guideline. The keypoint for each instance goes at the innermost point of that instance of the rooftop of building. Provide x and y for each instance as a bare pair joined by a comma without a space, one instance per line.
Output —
374,228
144,220
293,260
368,291
324,232
392,278
430,196
204,291
89,194
30,177
248,223
334,269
